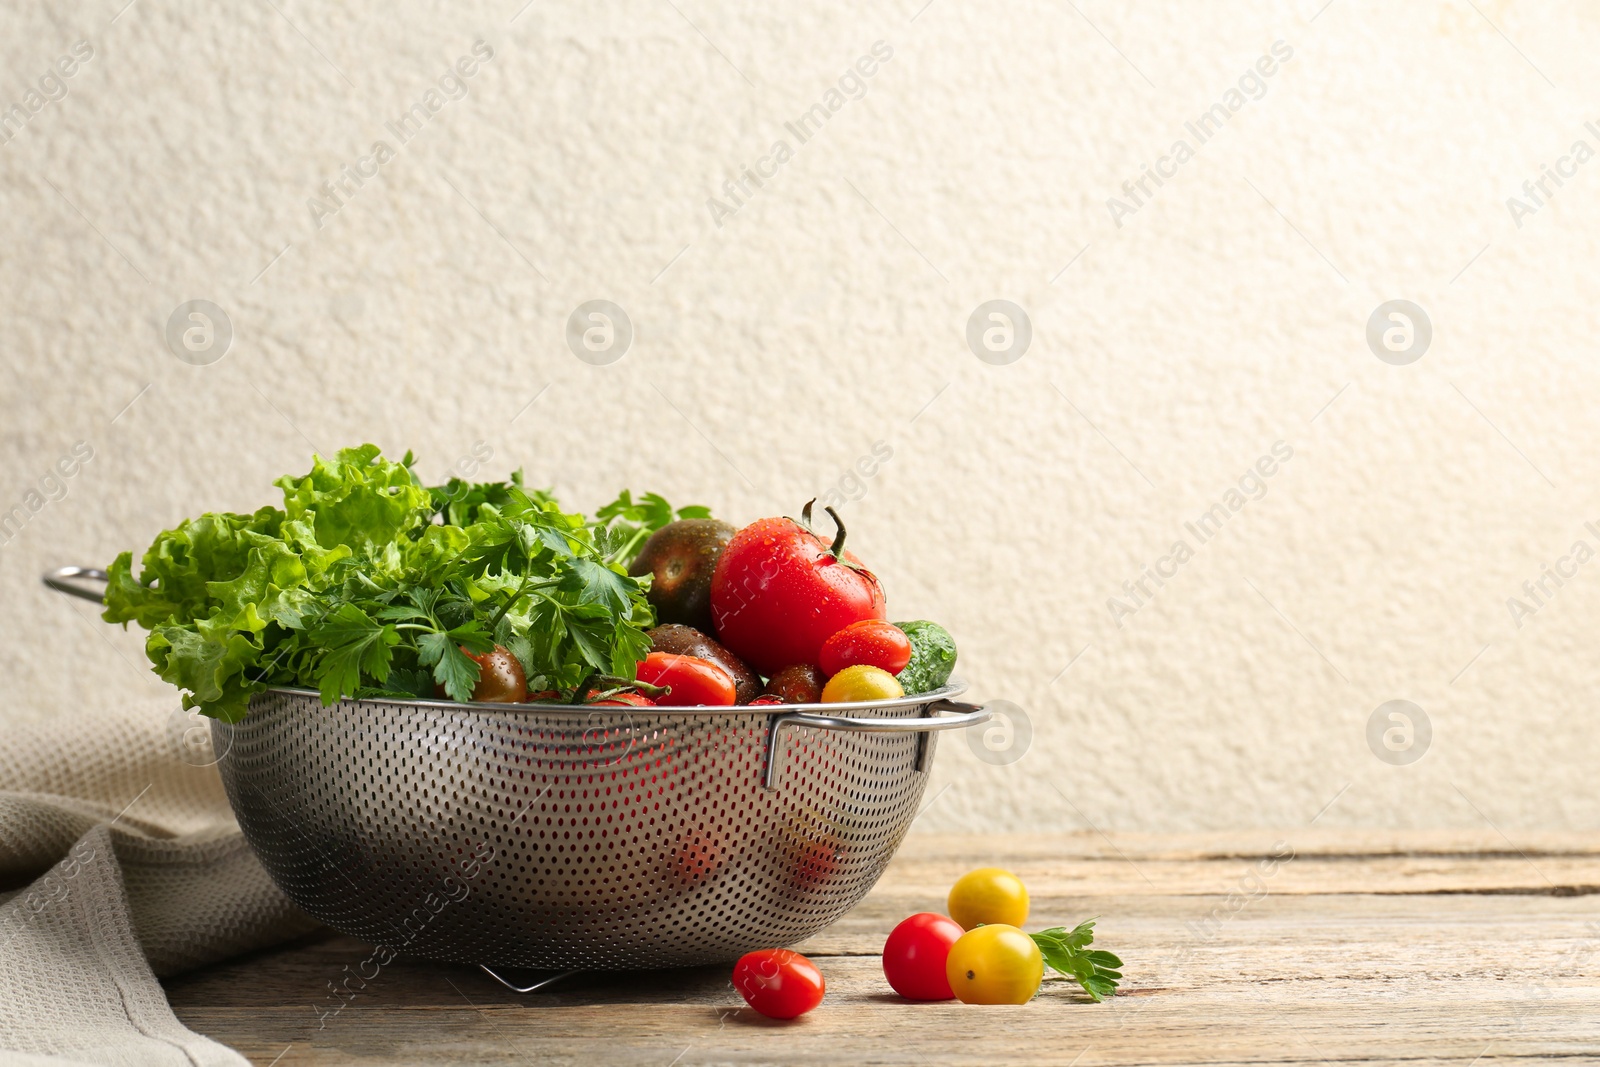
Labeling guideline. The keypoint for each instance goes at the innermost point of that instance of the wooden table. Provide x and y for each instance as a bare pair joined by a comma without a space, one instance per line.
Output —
1348,948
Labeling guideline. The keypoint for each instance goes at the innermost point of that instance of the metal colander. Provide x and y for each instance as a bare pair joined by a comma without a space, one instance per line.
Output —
578,837
575,838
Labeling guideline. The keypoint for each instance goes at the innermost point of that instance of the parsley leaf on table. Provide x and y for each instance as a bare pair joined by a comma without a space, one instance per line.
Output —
1067,951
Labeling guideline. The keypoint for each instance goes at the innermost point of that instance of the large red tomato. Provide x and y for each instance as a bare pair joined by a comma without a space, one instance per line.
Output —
780,591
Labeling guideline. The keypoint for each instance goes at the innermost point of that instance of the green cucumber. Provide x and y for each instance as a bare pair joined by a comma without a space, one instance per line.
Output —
933,656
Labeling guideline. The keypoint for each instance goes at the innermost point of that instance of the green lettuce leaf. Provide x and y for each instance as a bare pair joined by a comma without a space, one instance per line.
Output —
366,582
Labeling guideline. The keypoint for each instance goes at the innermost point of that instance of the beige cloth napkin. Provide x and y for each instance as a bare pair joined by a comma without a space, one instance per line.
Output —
123,862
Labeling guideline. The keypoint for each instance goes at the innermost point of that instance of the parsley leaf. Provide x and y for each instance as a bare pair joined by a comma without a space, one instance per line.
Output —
592,581
352,644
623,526
452,668
1067,951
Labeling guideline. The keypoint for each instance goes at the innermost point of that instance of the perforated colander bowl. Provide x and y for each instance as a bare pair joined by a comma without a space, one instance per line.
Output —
574,838
578,837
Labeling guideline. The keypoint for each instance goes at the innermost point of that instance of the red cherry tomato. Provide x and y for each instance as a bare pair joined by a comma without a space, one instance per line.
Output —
871,642
914,957
694,681
779,591
778,982
699,856
624,700
814,863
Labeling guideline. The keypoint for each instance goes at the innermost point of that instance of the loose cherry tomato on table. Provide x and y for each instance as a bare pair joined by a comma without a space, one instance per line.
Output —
779,982
914,957
779,591
872,642
988,895
861,682
693,681
996,964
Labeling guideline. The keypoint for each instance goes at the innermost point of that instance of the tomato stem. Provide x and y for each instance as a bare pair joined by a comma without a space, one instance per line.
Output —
836,550
620,684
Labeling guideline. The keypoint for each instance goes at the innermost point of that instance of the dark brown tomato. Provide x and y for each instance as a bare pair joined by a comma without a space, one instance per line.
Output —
799,683
681,558
500,678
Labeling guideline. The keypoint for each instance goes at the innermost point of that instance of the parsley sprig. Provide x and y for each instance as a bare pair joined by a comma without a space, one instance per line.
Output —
623,526
1068,952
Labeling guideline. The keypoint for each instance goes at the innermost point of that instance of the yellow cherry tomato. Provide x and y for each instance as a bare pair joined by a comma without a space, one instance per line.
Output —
988,895
861,682
996,964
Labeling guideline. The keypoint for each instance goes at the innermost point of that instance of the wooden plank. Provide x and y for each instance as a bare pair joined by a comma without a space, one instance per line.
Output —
1306,861
1359,949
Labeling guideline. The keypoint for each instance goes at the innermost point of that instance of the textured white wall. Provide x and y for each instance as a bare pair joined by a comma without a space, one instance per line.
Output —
828,313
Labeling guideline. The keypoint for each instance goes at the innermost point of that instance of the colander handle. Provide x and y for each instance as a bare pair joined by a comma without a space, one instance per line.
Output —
961,717
61,578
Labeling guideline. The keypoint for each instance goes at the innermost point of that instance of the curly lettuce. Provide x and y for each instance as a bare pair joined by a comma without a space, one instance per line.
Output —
367,583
